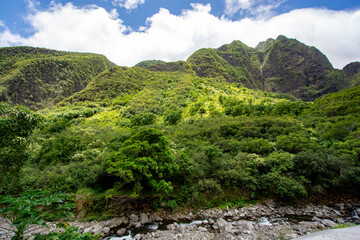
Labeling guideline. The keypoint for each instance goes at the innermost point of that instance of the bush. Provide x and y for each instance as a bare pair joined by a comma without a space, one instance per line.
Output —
172,116
143,119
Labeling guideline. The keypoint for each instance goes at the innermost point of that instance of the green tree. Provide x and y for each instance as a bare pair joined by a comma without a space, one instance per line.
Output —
172,116
145,161
16,124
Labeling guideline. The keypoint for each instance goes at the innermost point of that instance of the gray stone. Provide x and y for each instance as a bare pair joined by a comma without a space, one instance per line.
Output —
138,225
202,229
316,219
292,236
340,220
223,225
138,236
211,221
97,230
87,230
134,218
144,218
180,229
106,230
171,227
328,223
245,225
121,232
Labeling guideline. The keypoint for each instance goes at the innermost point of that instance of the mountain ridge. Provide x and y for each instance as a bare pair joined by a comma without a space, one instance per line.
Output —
39,77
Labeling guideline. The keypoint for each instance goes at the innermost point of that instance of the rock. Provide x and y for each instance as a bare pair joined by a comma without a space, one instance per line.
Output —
245,225
138,225
211,221
171,227
97,230
138,236
292,236
144,218
121,232
134,218
328,223
87,230
202,229
180,229
316,219
223,225
115,222
340,220
106,230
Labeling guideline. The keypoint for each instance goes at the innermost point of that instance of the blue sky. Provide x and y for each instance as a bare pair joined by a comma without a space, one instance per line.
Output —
128,31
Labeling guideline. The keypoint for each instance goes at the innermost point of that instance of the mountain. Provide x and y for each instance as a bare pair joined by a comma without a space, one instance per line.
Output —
37,77
282,65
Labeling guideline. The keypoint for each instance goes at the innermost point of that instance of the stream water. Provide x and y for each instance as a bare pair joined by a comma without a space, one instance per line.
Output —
161,226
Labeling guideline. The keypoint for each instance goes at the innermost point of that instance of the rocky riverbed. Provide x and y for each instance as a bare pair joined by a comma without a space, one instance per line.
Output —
260,221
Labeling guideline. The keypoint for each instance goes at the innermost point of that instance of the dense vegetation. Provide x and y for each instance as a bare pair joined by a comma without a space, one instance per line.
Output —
189,133
39,78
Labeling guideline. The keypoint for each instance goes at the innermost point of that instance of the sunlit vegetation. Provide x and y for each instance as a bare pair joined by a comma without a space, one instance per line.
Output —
187,133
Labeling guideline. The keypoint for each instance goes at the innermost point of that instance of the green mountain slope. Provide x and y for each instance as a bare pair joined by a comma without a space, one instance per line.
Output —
283,65
38,77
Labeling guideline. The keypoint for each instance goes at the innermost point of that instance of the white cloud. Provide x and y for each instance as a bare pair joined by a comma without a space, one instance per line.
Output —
172,37
128,4
251,7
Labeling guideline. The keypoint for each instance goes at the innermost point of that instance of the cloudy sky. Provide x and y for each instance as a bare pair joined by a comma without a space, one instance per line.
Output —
129,31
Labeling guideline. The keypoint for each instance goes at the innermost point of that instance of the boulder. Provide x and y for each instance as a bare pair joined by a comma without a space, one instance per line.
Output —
171,227
97,230
245,225
180,229
87,230
134,218
106,230
121,232
328,223
223,225
144,218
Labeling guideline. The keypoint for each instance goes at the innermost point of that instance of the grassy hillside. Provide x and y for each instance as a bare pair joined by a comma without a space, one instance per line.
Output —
39,78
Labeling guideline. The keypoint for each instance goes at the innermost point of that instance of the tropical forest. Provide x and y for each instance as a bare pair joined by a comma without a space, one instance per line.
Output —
226,137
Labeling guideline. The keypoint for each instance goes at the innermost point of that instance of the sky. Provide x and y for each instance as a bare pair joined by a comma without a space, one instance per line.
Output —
130,31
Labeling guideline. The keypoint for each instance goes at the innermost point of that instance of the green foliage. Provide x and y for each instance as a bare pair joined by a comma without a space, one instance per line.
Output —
172,116
70,232
39,78
214,138
143,119
30,208
144,161
16,124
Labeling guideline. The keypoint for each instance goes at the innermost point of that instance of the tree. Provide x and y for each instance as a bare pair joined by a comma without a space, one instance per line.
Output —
145,161
16,124
172,116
